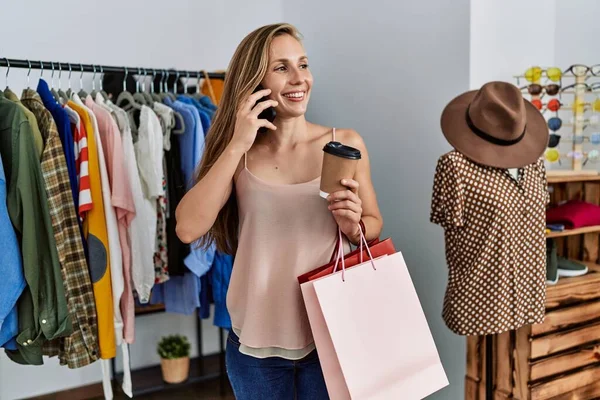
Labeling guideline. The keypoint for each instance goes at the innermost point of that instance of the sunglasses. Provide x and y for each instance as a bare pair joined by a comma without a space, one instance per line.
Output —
554,139
581,70
534,74
553,155
554,124
576,86
536,89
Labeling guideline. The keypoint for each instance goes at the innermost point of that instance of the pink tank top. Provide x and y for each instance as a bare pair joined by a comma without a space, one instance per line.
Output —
285,230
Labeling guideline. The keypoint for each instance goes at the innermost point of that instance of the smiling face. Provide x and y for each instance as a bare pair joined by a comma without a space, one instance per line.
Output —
288,76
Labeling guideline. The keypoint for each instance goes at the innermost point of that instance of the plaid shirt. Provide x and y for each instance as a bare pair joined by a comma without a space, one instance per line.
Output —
81,347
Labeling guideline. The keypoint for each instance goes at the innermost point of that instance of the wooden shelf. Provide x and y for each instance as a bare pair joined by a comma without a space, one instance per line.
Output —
573,232
578,288
572,176
149,309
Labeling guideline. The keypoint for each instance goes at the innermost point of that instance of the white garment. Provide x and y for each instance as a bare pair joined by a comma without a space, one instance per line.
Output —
149,151
116,257
149,155
142,236
167,119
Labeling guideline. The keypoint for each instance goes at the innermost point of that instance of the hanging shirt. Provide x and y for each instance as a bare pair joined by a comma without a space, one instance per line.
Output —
36,134
142,238
81,161
220,276
494,230
204,113
167,122
115,252
121,199
95,231
81,347
178,250
11,270
186,139
149,154
42,307
63,124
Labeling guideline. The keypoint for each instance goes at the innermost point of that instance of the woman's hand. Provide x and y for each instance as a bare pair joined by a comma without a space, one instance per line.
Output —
346,207
247,122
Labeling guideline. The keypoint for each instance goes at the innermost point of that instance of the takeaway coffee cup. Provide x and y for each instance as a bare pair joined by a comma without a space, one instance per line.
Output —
339,162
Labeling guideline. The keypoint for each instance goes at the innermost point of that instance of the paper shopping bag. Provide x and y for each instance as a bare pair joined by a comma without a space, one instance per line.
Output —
371,333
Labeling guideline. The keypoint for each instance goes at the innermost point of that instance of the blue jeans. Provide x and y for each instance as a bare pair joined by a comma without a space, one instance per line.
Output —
273,377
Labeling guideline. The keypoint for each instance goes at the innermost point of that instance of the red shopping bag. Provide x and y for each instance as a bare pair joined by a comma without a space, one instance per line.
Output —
378,248
371,333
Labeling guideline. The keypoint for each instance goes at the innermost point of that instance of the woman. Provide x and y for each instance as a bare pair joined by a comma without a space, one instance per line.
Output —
257,196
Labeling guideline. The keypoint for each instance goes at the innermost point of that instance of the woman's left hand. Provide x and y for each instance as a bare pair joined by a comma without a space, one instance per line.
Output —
346,207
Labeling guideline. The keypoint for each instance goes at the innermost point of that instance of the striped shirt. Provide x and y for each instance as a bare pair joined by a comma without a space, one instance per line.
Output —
81,163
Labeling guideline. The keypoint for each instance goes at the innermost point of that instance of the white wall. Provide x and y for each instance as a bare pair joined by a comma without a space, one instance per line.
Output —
509,36
387,69
182,34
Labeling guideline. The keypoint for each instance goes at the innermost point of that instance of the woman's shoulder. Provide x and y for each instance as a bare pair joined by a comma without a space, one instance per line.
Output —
347,136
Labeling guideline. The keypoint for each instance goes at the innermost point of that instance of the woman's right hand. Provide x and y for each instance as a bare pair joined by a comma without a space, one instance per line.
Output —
247,122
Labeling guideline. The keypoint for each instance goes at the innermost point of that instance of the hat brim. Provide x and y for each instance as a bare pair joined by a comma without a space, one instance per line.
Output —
527,151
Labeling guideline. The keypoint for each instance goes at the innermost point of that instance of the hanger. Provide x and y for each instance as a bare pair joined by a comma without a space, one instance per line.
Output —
125,100
149,99
155,96
198,94
82,93
62,96
94,92
52,90
102,92
7,70
139,97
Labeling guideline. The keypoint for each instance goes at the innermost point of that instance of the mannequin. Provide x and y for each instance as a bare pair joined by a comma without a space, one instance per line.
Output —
490,195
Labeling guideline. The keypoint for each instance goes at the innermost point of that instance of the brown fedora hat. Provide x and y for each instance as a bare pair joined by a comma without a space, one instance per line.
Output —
495,126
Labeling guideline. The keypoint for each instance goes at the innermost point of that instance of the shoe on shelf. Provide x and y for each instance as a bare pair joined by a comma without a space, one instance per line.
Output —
570,268
551,262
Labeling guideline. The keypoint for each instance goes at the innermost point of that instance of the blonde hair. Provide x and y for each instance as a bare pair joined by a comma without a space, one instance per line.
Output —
246,71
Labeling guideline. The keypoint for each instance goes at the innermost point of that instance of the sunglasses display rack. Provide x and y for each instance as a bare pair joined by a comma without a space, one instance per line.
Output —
574,92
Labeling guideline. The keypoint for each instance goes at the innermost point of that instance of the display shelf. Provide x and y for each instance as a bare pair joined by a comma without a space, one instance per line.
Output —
149,309
577,177
573,232
578,288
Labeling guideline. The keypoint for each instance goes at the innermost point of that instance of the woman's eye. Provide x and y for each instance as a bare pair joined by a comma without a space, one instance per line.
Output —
282,68
304,66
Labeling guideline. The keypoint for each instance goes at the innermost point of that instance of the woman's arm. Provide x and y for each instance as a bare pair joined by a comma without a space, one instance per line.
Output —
360,201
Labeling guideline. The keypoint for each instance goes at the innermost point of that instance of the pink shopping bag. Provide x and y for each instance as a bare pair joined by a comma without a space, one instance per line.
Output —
371,333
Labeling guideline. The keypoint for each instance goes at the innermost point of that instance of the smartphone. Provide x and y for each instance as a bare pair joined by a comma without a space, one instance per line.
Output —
268,114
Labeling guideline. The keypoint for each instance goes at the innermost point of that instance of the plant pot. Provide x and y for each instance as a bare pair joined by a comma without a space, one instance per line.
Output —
175,370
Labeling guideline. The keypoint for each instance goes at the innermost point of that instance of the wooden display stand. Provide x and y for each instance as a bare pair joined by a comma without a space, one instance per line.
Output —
560,358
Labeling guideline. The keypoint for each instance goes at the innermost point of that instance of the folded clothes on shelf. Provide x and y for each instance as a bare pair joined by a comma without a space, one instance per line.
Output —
555,227
574,214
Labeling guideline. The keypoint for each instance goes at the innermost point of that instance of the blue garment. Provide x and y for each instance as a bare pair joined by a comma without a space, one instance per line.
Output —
11,271
205,101
204,112
220,274
180,294
187,139
273,377
63,124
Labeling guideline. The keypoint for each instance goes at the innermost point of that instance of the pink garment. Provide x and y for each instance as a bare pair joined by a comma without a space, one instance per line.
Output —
284,231
122,201
574,214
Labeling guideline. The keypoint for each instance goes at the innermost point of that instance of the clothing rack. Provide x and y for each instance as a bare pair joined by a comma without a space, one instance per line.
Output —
78,67
200,373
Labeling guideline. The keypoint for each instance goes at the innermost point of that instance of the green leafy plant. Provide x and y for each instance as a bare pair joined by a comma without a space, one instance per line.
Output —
173,346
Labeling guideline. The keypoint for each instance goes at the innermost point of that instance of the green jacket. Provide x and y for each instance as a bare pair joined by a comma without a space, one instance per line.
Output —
42,308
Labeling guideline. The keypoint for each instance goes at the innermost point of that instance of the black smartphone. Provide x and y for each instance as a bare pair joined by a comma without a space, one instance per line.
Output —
268,114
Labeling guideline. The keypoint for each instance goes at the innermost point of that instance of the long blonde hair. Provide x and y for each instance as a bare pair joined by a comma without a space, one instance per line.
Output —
246,71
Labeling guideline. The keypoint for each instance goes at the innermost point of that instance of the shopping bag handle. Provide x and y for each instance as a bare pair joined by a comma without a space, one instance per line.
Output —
339,242
340,254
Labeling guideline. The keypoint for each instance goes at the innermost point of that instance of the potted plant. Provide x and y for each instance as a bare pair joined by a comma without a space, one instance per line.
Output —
174,352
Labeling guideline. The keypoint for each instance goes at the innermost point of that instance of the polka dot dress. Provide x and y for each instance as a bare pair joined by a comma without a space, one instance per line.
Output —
495,244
